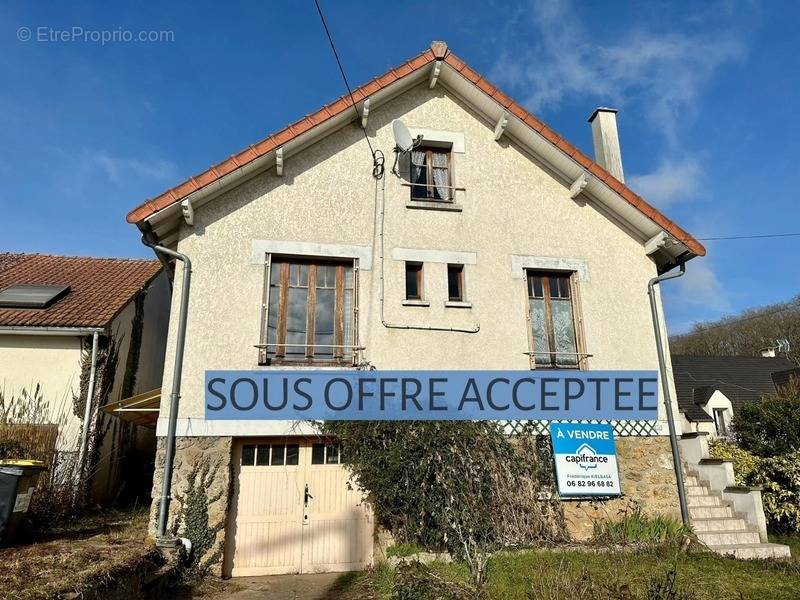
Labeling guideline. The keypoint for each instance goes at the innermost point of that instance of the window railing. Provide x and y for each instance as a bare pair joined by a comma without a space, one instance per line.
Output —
450,198
340,354
580,357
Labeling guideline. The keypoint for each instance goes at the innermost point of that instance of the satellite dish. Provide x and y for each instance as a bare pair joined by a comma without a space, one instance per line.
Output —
402,136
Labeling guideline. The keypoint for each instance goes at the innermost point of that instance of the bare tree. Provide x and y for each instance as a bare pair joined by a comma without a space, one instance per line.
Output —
744,334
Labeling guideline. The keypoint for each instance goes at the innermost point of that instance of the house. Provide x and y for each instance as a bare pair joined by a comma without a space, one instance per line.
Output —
711,388
493,244
56,314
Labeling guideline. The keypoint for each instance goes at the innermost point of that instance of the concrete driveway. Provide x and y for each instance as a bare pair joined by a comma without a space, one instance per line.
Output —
318,586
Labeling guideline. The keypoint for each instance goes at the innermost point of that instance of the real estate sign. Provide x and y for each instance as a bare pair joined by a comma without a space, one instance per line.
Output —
586,459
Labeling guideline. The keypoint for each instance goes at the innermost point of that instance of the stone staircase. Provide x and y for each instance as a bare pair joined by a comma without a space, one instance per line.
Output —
719,527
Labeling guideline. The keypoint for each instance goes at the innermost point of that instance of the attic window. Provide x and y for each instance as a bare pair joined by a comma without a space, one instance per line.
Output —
431,174
32,296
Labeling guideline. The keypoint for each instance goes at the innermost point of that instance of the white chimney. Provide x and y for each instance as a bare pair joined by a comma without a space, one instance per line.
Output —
606,141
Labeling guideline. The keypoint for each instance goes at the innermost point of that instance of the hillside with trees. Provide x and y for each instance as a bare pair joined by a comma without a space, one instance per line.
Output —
744,334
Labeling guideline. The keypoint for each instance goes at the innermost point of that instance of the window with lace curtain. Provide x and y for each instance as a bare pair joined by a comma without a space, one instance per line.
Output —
552,320
431,174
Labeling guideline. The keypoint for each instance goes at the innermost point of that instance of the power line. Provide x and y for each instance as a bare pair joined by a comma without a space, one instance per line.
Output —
749,237
344,77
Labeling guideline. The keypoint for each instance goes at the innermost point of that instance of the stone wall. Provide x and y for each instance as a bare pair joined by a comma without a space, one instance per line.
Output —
645,465
647,479
189,451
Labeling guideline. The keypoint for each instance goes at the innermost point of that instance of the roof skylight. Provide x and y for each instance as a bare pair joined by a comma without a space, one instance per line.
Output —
31,296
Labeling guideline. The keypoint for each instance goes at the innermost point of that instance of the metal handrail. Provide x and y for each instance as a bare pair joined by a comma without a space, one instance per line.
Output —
310,345
447,187
583,354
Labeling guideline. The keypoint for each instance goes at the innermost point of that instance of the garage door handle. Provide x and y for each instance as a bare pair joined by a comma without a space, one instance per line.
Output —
307,496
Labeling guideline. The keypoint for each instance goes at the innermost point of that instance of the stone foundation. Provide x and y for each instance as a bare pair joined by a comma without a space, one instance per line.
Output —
645,465
647,480
189,451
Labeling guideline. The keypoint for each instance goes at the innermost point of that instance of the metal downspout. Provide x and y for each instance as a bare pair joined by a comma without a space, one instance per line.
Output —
662,367
174,397
87,412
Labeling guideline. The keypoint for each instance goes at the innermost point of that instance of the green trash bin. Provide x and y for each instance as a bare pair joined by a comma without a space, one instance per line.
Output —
17,483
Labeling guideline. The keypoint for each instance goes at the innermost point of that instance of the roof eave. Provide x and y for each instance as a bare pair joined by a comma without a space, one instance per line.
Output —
567,162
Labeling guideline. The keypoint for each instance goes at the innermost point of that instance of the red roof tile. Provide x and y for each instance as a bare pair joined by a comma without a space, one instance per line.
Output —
438,51
99,287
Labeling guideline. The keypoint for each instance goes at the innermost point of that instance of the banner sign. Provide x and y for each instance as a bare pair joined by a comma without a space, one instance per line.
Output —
431,395
586,459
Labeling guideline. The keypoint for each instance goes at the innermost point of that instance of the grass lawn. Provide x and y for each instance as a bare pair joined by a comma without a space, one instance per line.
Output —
75,556
568,575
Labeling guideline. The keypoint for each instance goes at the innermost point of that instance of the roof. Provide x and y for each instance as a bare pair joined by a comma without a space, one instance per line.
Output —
741,378
437,52
99,288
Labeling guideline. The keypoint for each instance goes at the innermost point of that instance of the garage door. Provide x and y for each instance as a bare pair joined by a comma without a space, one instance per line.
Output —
295,510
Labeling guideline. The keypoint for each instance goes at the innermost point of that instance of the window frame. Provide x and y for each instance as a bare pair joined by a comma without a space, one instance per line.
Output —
719,418
459,268
326,448
338,357
420,280
429,149
577,319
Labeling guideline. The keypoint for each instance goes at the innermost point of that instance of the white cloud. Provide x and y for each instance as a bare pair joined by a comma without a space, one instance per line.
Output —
700,287
119,169
673,181
664,71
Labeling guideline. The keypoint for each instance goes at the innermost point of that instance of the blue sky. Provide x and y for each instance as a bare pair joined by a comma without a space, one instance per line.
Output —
708,93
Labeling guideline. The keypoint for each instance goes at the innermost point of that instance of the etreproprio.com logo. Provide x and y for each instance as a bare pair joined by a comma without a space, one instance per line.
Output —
78,34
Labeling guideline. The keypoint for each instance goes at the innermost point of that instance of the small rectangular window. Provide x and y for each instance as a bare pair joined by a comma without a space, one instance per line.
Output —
318,454
455,283
332,454
262,455
249,455
277,454
325,454
292,454
719,422
413,281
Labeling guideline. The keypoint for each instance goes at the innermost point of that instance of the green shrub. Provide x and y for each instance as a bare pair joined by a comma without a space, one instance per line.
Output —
745,464
769,427
779,478
636,527
463,486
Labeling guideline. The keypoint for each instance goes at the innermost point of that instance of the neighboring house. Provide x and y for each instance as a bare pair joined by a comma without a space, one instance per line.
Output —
712,388
51,308
500,246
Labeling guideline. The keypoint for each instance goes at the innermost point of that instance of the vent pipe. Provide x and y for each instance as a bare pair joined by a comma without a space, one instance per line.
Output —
606,141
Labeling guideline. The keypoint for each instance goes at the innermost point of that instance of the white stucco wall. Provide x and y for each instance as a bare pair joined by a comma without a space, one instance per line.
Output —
512,207
54,363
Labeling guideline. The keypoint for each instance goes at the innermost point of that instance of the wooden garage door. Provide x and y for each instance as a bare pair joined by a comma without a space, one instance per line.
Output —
295,510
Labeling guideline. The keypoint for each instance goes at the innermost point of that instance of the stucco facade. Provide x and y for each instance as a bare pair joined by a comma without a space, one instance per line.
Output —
512,207
512,214
54,364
